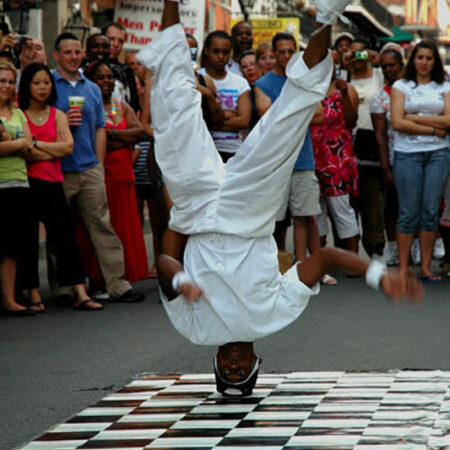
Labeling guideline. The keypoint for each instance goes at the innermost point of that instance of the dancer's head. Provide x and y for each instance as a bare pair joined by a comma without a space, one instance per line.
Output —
236,369
217,50
284,46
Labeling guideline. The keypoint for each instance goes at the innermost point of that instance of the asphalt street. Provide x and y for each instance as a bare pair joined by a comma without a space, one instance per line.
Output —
58,363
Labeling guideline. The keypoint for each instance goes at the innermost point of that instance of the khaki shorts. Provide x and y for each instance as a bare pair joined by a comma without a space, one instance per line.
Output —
302,195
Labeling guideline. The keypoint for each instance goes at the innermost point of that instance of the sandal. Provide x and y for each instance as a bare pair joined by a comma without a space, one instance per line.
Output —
39,305
328,280
84,305
431,279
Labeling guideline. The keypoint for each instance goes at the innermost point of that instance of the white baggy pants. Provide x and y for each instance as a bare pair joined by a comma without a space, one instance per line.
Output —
229,210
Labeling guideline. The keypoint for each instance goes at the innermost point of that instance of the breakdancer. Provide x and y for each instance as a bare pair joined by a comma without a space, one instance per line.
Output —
228,291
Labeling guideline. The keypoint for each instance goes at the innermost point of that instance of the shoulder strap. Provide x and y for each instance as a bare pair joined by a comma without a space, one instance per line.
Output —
201,80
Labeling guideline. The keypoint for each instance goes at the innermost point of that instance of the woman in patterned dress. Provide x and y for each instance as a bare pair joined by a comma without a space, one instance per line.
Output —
336,163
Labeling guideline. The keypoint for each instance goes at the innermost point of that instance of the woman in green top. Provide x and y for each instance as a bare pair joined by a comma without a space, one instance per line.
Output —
15,147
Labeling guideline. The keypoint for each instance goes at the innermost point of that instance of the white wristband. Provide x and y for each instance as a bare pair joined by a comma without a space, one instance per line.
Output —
179,279
375,273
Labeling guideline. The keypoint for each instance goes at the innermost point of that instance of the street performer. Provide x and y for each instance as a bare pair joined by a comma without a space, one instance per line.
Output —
228,291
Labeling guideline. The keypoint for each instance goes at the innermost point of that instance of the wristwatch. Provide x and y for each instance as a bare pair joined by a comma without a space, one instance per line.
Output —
35,143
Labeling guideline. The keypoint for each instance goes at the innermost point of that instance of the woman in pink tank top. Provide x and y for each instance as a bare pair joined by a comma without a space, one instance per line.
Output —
51,135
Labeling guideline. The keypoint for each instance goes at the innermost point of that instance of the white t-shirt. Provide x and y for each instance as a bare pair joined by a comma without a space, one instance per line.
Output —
228,91
423,99
248,298
367,88
381,104
234,67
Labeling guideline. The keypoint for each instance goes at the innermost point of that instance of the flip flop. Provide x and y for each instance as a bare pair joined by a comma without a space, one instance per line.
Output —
328,280
83,306
431,279
38,304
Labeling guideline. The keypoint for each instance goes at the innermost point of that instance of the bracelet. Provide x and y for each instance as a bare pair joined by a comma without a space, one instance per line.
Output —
179,279
375,273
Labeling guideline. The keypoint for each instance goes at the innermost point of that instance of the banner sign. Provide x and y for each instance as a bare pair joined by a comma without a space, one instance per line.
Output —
142,19
266,29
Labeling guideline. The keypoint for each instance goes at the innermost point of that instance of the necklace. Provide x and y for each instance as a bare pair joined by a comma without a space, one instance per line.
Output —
40,116
113,110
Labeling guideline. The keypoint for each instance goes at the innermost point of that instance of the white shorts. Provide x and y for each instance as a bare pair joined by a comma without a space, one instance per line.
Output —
342,213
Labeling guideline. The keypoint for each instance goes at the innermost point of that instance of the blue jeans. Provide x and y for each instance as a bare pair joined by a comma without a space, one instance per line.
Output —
420,181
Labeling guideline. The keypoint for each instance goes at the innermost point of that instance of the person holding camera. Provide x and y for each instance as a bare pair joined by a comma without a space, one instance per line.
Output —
367,80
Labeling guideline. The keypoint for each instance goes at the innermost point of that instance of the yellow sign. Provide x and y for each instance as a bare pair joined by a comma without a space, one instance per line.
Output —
266,29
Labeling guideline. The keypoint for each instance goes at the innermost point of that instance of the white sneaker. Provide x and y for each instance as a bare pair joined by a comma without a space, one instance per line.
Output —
415,252
438,250
391,254
328,11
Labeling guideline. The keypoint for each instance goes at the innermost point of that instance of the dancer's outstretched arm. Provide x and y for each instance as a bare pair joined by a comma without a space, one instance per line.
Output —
318,46
170,15
393,283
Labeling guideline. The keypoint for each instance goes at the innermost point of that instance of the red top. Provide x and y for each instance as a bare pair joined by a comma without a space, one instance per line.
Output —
333,151
45,170
119,163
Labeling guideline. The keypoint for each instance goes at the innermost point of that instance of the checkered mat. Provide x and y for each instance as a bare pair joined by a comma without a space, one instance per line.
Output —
326,410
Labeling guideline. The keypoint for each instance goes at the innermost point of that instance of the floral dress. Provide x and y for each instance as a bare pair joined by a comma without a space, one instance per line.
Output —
333,151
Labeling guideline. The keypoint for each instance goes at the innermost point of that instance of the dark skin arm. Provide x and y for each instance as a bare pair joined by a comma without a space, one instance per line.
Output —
380,128
209,92
349,102
169,265
133,134
394,284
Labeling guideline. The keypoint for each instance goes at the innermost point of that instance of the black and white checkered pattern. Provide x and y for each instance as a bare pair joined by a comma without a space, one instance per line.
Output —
402,410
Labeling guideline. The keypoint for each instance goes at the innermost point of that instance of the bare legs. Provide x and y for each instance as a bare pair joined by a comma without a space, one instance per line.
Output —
8,270
306,236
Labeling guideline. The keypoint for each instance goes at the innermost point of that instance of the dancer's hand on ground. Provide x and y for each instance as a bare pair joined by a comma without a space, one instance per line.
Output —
398,285
191,292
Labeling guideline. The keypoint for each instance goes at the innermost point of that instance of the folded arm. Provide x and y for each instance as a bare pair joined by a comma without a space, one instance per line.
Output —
399,120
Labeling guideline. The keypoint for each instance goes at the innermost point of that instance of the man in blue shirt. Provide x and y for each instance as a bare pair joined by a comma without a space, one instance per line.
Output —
83,170
303,193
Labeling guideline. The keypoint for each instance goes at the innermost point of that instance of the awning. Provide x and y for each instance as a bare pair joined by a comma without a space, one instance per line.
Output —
399,36
366,21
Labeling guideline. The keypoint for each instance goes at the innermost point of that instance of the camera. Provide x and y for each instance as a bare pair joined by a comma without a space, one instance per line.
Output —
361,55
22,39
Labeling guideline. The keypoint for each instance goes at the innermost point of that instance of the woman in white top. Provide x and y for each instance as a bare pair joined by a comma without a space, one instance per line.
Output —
420,107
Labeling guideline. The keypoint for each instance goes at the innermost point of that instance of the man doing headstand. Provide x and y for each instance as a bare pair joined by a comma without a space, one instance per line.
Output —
230,291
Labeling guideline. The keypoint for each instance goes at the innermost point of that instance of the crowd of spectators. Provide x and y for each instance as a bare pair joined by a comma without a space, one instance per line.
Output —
76,155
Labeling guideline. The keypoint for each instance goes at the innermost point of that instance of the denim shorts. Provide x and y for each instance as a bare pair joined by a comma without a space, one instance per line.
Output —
420,179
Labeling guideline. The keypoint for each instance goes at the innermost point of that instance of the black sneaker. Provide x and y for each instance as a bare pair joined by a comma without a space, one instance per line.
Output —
130,296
